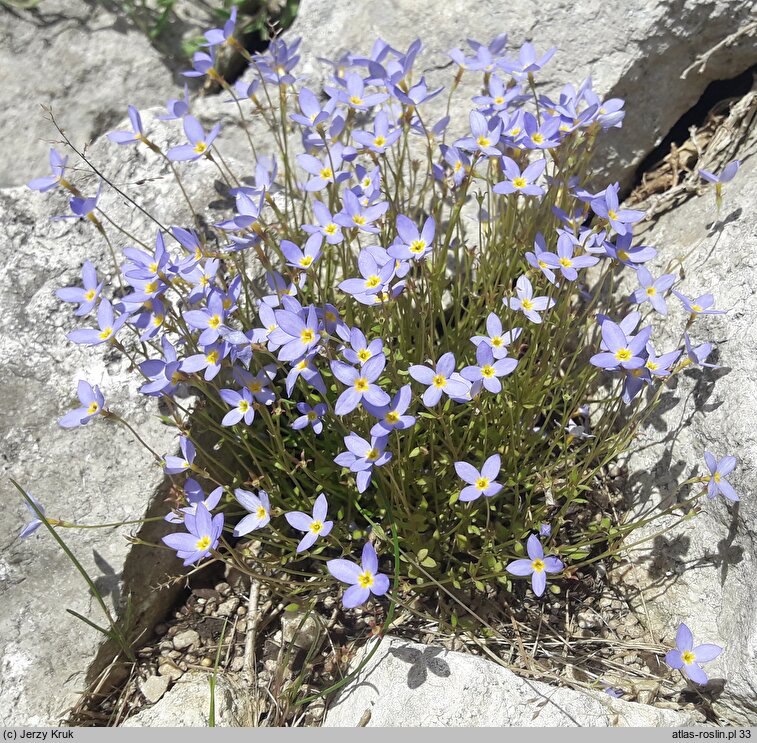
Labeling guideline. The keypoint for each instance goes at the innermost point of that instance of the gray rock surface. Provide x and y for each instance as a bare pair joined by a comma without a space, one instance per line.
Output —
95,474
86,62
187,704
407,684
704,572
635,51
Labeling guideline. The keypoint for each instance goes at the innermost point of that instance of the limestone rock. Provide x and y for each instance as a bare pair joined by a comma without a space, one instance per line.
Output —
635,51
187,704
154,687
96,474
407,684
85,62
704,572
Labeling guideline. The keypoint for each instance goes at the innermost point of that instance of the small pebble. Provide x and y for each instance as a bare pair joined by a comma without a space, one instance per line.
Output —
186,639
170,671
228,607
154,688
237,664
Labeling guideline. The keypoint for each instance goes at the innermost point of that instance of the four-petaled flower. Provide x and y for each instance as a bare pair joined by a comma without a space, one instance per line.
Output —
537,565
687,658
361,384
718,472
203,534
242,407
199,144
174,465
314,526
526,302
361,457
364,579
109,326
310,416
622,351
652,290
517,182
488,370
702,305
92,401
86,295
439,379
259,507
479,483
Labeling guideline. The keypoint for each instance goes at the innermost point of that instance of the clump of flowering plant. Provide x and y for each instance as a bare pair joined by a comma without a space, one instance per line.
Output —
397,317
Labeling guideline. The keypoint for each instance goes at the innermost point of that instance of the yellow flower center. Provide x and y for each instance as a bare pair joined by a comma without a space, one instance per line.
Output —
372,281
364,354
439,381
566,262
372,455
717,477
417,246
359,220
527,304
365,580
261,513
355,101
487,371
151,287
623,255
90,295
483,141
214,321
499,100
327,173
361,384
482,483
379,141
243,406
497,341
212,357
537,565
307,335
652,365
515,131
537,138
93,408
696,308
306,261
302,365
312,415
519,182
392,416
612,214
200,147
330,229
106,333
316,526
153,267
651,291
687,656
623,354
203,543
